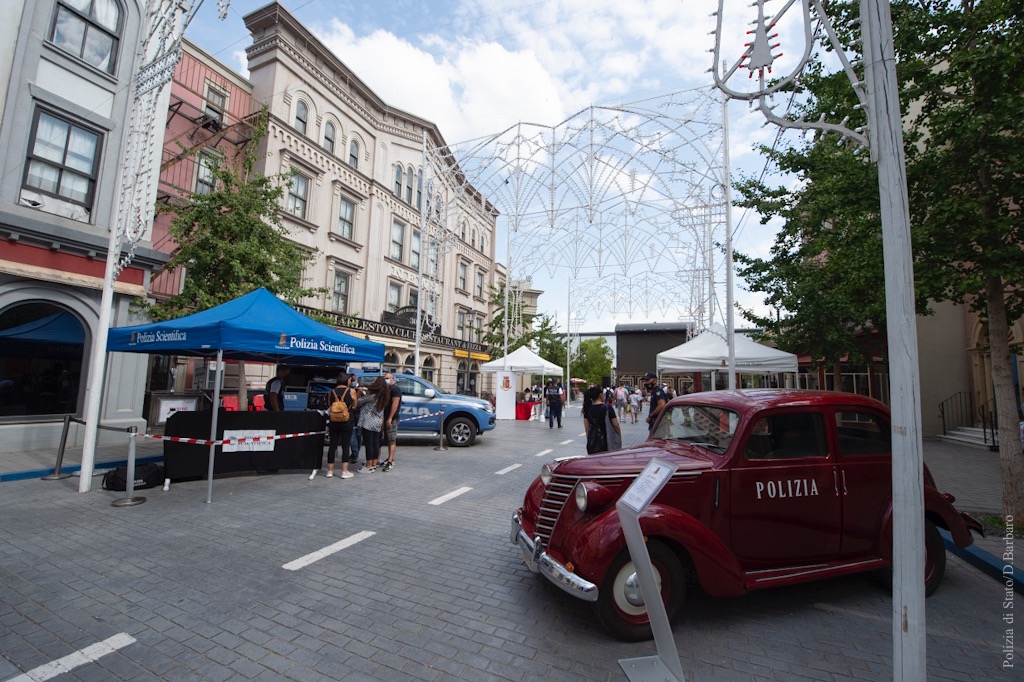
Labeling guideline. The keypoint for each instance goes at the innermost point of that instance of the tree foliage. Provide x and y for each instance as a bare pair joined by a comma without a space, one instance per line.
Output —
230,241
592,360
961,71
536,331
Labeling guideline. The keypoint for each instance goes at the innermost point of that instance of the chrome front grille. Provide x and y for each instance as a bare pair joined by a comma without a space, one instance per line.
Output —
556,495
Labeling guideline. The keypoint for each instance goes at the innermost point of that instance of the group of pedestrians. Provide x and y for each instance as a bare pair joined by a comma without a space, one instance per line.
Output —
373,414
604,409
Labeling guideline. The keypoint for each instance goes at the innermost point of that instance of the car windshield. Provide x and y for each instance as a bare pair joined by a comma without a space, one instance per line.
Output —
711,428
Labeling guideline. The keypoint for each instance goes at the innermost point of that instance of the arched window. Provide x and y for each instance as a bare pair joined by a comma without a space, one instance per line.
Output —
409,364
462,378
390,362
301,117
462,230
41,348
329,134
474,373
353,153
419,189
399,174
90,30
408,185
427,371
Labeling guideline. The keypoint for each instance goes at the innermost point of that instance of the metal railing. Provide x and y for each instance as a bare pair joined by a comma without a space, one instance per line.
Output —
957,410
990,424
129,500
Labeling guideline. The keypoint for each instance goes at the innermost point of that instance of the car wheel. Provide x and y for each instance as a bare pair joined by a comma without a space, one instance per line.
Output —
460,432
935,559
620,606
934,562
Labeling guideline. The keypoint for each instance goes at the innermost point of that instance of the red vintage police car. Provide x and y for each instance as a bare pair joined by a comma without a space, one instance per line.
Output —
773,487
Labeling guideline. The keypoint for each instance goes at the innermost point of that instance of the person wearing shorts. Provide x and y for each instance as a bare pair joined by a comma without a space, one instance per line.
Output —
389,432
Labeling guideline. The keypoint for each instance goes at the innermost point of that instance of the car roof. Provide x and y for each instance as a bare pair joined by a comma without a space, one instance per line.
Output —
757,399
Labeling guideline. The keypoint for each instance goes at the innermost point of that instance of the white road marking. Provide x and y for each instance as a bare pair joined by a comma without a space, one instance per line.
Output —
508,469
450,496
79,658
327,551
543,452
566,442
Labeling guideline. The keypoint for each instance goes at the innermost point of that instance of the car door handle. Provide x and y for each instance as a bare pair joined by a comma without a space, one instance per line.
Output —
835,481
844,481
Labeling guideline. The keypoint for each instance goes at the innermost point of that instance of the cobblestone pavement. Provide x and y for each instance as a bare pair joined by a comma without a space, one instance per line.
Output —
427,588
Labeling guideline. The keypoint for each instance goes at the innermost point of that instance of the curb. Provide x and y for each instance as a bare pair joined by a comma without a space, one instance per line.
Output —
989,564
75,468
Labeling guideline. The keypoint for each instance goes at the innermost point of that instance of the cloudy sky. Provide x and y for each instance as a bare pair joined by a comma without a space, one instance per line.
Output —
474,67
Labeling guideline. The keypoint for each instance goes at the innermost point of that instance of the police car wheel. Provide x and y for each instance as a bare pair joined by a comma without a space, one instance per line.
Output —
460,432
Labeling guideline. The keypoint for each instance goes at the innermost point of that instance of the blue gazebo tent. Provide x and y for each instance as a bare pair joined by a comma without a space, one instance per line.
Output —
259,327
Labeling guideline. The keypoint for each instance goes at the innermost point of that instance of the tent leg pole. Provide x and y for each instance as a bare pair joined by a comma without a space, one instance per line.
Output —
213,422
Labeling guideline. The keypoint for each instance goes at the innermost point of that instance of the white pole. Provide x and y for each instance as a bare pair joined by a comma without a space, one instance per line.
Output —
908,613
218,377
727,185
424,254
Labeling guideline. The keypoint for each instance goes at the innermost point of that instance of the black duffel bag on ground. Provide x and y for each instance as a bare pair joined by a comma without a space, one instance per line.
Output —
147,475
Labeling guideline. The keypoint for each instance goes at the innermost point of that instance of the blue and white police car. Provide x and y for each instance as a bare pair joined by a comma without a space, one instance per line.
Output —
427,410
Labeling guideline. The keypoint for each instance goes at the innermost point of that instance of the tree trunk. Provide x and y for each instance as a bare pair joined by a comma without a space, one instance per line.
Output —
1010,458
837,376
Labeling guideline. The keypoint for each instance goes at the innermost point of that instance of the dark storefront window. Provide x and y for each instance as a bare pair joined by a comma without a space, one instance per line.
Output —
41,348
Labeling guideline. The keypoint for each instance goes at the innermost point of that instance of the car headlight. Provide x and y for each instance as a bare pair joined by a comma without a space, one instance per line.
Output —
488,408
581,496
545,474
593,496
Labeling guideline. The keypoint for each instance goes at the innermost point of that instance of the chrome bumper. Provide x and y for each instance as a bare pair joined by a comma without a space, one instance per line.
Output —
538,561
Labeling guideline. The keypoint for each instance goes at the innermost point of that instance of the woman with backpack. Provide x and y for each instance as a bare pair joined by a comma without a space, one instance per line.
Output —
339,428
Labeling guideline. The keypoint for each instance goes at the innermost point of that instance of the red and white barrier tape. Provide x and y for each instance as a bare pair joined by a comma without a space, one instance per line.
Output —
228,441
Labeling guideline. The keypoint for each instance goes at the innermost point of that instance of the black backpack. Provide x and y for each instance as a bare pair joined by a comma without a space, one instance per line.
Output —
147,475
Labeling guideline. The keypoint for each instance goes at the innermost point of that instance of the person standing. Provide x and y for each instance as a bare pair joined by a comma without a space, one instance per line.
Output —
555,397
658,398
635,398
275,390
391,414
371,421
621,400
341,432
601,426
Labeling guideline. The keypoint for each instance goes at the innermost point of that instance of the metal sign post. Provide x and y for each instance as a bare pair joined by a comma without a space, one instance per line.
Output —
665,666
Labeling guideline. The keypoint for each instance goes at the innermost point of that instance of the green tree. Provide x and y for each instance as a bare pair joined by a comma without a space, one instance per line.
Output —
592,360
536,331
961,67
231,241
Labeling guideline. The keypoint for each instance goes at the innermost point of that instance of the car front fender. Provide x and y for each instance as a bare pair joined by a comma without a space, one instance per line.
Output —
600,539
940,507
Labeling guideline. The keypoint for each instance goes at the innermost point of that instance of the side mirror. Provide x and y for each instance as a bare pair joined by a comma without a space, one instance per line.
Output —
429,393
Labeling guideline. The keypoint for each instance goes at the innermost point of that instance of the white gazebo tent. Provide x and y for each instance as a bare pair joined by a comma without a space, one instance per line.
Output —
709,351
520,361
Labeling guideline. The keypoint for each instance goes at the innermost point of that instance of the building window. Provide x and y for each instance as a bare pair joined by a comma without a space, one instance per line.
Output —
399,175
353,154
432,258
346,218
216,103
414,298
394,296
62,159
205,180
462,230
298,195
483,243
301,117
473,240
89,30
408,185
427,371
478,328
414,250
460,325
339,300
329,135
397,240
463,270
419,190
479,290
